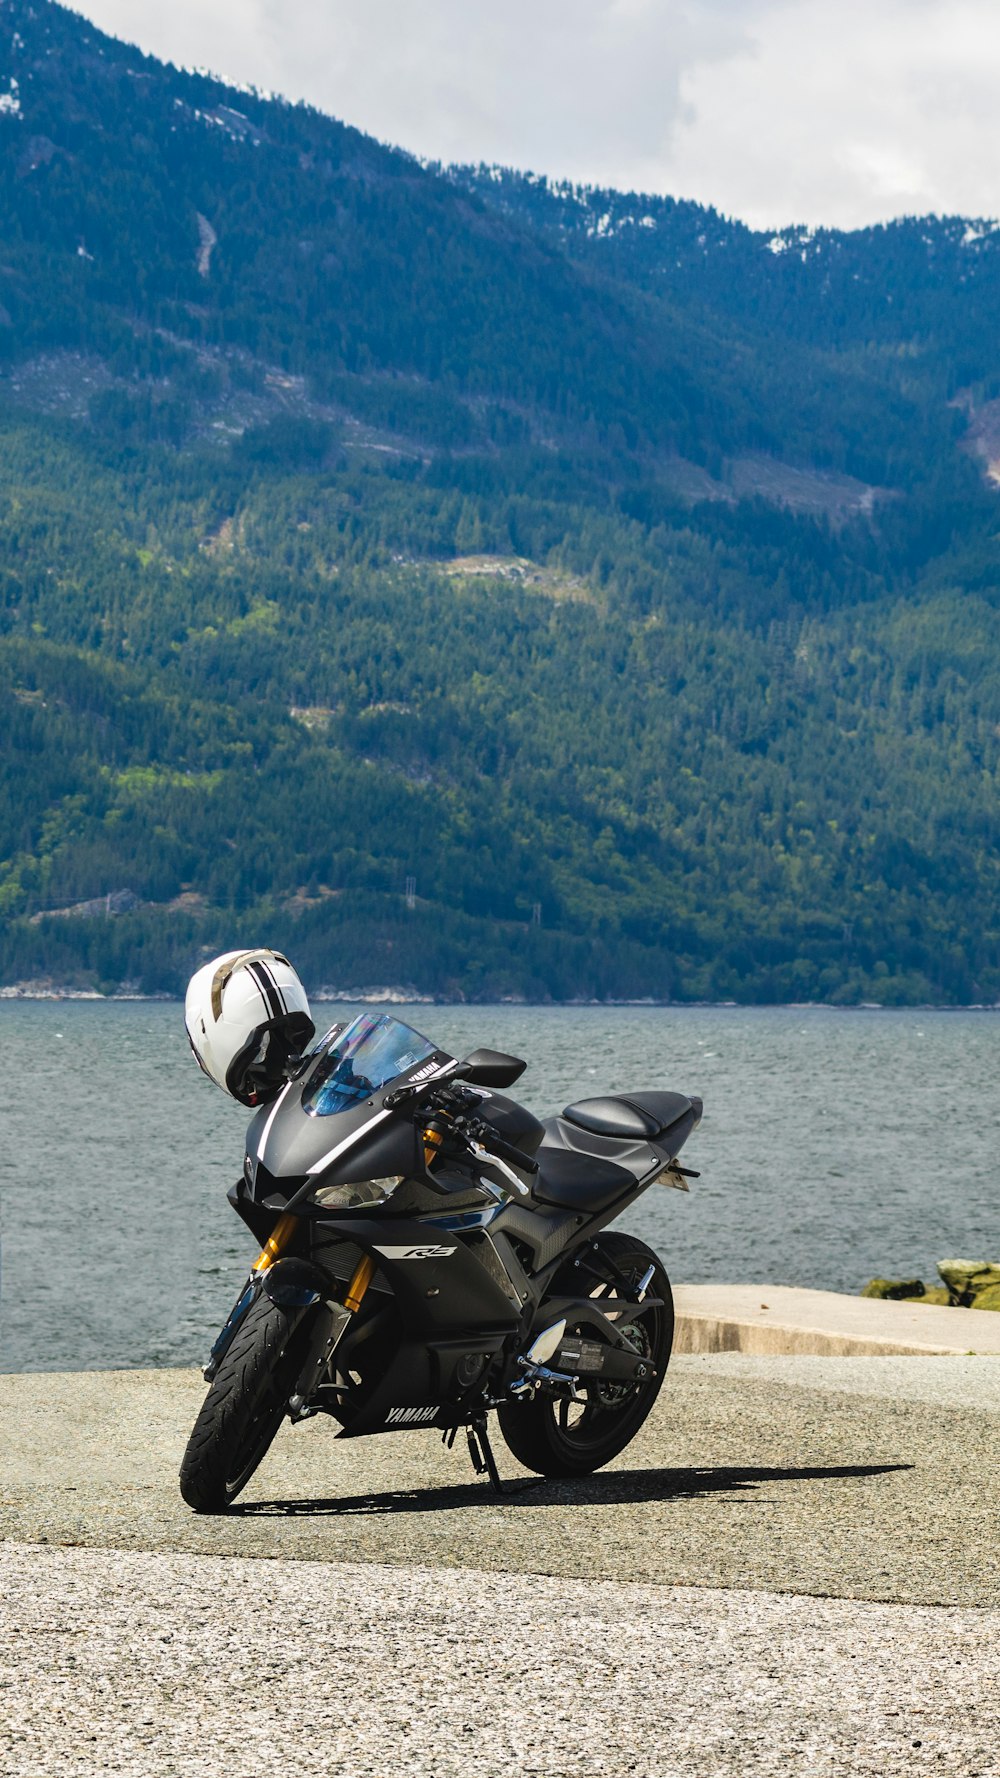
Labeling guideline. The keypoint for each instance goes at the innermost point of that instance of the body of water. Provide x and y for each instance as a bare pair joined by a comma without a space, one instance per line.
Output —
834,1145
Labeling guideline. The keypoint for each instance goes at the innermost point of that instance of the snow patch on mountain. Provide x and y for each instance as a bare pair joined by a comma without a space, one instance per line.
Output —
978,231
224,117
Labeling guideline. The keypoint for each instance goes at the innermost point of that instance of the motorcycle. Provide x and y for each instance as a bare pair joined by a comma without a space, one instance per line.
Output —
431,1253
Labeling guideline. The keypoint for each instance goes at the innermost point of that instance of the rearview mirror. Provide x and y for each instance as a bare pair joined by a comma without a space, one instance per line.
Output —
491,1068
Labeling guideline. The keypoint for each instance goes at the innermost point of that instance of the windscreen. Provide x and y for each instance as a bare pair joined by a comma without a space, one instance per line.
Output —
370,1052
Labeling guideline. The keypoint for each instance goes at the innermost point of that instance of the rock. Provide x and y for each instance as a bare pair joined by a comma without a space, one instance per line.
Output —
988,1298
965,1278
894,1289
936,1294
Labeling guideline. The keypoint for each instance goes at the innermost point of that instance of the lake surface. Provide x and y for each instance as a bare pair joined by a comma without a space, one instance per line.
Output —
835,1145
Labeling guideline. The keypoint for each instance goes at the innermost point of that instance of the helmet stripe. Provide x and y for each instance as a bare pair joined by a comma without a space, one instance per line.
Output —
276,985
219,981
266,985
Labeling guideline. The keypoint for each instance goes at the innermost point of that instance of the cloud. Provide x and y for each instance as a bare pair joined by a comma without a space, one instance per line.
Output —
849,114
589,88
774,110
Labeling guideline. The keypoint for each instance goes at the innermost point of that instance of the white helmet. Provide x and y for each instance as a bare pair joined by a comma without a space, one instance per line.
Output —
246,1014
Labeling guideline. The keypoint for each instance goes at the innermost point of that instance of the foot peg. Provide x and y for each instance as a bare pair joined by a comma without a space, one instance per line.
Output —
536,1375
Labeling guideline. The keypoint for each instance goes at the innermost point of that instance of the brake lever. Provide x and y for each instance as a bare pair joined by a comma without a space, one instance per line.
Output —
483,1156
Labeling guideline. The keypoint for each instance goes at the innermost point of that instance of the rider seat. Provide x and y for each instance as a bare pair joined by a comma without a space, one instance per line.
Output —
640,1116
592,1183
575,1181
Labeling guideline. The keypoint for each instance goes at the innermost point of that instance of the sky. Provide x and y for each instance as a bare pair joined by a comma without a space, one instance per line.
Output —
836,112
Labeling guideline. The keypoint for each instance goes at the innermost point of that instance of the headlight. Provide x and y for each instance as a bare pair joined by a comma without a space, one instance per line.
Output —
350,1197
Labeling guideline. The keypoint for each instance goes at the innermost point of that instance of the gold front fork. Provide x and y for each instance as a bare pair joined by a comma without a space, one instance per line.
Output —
276,1242
364,1272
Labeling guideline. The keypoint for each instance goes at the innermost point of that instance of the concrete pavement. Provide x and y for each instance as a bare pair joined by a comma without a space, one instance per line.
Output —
869,1479
776,1320
792,1570
172,1666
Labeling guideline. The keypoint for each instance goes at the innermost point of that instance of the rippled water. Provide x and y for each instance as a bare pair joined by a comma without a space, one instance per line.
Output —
834,1145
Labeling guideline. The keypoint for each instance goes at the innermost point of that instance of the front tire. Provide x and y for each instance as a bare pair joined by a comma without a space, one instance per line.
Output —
557,1437
244,1407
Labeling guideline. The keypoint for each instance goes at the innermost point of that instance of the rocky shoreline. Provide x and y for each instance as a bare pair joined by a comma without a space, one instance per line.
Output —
967,1284
403,995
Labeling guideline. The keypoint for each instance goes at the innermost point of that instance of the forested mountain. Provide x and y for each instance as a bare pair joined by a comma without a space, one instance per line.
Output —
929,284
625,580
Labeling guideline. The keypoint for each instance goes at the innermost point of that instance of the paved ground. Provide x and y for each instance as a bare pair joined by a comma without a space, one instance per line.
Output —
865,1478
776,1319
156,1666
665,1619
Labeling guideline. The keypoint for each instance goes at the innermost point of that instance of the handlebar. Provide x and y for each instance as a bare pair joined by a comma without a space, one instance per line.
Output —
476,1134
505,1151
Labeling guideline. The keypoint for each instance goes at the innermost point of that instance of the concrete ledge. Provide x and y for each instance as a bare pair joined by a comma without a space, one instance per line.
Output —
773,1319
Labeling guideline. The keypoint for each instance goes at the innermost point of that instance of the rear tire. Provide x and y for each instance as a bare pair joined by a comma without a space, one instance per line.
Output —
244,1407
562,1438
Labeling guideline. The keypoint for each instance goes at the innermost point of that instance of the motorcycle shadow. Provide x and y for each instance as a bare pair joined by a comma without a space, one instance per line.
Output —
624,1487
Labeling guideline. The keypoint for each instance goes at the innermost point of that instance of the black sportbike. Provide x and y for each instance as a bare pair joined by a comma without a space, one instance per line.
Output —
430,1252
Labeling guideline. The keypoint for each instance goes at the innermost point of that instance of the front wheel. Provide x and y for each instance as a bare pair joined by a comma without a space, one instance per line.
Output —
558,1437
244,1406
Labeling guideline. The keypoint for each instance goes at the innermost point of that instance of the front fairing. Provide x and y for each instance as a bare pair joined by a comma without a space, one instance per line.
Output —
286,1145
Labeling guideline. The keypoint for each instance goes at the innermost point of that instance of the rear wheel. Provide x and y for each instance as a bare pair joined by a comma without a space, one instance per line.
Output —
244,1407
569,1438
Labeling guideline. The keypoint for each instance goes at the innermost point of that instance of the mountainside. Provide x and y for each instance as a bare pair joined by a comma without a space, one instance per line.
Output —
629,586
155,212
931,284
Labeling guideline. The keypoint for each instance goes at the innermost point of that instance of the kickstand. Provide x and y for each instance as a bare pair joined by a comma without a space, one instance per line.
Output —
481,1452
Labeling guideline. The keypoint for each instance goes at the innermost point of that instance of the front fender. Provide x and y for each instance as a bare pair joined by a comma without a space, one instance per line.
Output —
248,1295
295,1283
